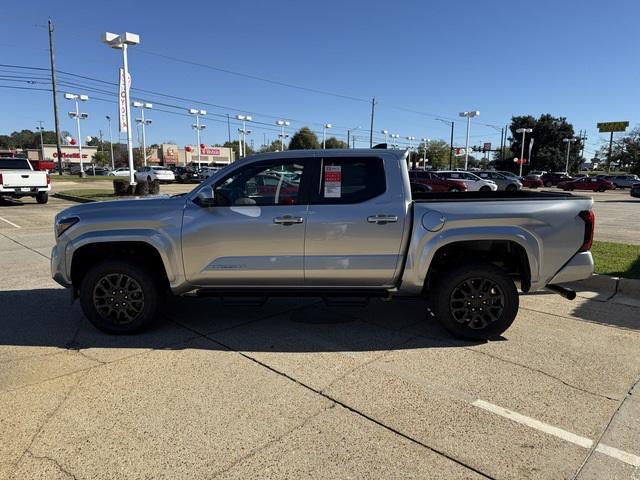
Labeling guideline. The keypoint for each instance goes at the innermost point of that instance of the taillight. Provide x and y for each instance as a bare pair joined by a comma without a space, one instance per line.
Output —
0,179
589,219
48,179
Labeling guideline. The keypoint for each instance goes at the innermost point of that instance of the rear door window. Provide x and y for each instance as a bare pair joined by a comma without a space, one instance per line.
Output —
349,180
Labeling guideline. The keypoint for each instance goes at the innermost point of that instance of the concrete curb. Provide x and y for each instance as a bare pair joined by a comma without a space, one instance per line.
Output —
73,198
624,291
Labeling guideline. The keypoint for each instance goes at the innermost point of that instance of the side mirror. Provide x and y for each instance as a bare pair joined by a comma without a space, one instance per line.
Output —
205,197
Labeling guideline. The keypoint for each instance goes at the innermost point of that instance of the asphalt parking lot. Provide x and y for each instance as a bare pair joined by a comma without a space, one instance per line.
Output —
294,389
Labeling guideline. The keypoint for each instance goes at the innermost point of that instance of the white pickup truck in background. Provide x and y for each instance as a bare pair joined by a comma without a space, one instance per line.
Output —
18,179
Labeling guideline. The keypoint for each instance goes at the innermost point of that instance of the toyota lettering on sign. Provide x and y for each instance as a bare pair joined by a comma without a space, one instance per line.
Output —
122,99
210,151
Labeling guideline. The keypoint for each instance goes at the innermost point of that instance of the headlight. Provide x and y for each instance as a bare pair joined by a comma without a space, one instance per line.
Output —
65,224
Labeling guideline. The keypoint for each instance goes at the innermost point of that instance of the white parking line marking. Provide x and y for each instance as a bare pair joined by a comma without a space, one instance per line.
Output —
583,442
10,223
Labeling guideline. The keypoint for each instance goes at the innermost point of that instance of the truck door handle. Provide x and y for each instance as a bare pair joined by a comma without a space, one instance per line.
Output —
382,219
287,220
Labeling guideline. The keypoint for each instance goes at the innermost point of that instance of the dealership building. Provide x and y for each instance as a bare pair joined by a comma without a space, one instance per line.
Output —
166,154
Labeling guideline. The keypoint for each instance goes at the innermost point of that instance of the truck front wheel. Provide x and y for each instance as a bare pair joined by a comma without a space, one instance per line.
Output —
119,297
476,301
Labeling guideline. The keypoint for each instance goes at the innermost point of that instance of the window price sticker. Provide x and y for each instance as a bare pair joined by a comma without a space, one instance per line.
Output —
332,181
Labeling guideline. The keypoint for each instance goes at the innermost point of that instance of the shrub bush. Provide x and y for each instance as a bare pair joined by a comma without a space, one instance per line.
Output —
142,188
154,187
120,187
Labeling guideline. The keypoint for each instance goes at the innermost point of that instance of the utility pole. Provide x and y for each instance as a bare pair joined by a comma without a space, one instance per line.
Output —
55,97
373,109
228,128
502,144
609,156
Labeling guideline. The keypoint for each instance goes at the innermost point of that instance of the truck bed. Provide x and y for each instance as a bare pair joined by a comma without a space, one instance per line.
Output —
425,197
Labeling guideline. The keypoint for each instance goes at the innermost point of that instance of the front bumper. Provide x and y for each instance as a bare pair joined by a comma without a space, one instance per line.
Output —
580,267
58,268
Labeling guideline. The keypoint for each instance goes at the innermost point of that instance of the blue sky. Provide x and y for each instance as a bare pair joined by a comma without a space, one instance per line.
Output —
572,58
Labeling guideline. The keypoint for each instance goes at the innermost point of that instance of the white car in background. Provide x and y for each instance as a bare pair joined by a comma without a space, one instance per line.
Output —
473,182
151,173
119,172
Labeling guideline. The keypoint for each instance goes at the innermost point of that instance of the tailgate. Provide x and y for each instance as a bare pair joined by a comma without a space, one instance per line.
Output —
23,178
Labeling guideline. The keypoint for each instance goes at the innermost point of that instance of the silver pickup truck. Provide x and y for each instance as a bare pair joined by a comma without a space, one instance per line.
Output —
331,224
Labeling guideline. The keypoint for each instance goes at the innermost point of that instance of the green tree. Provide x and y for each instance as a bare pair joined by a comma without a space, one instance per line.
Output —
304,139
437,153
275,146
101,158
235,147
549,151
333,142
625,152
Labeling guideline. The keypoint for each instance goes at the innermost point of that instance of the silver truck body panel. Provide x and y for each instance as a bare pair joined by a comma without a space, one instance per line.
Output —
332,246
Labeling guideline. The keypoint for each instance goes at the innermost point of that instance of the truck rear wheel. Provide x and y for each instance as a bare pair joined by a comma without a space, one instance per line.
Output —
476,301
119,297
42,197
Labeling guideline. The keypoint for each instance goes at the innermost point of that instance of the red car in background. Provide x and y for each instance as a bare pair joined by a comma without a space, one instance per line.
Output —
587,183
436,182
532,181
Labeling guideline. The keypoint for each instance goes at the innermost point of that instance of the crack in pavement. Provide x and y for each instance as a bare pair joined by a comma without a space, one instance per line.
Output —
25,246
48,418
273,441
597,441
55,462
346,406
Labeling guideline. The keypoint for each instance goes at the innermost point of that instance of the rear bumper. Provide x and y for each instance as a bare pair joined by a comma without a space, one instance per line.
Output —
579,267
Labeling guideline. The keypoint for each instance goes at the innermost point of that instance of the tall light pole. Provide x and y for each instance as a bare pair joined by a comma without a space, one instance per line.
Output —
394,139
122,42
144,122
385,133
409,140
282,124
113,165
523,131
198,128
324,133
469,116
243,139
41,129
425,141
568,141
349,130
78,116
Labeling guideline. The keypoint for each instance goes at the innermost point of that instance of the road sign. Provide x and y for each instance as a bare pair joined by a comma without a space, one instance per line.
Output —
486,147
612,126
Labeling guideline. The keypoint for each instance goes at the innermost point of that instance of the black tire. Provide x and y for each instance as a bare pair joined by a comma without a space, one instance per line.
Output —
483,284
485,189
511,188
149,179
42,197
615,186
99,304
548,184
454,190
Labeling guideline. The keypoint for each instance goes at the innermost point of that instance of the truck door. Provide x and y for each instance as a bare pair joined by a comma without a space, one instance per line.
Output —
355,223
254,233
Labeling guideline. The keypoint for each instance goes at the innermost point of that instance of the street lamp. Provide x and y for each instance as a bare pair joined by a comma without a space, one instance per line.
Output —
324,133
385,133
394,139
122,42
242,147
282,124
78,116
568,141
410,139
349,130
110,142
41,129
523,131
144,122
197,127
469,116
425,141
